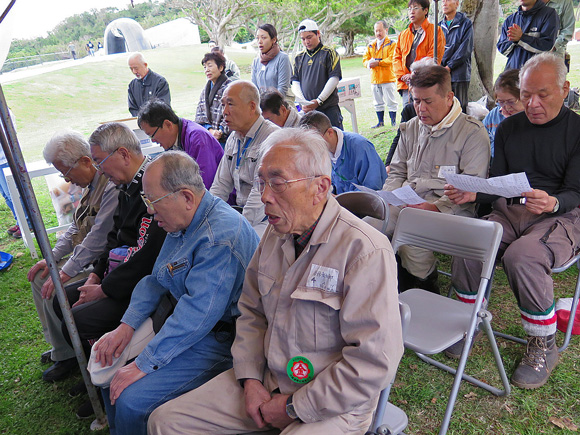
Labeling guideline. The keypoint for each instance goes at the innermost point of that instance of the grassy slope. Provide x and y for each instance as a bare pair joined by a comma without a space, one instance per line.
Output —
82,96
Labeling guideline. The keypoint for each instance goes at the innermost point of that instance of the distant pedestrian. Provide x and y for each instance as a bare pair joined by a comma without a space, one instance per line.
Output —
379,59
456,59
73,50
91,48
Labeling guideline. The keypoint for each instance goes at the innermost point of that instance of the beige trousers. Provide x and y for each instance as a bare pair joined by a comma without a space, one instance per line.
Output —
51,324
217,407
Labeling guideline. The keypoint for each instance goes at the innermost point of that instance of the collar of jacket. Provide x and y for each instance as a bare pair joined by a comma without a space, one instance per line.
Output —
537,6
425,25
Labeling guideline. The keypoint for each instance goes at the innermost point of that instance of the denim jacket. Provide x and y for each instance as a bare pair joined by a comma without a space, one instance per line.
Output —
203,267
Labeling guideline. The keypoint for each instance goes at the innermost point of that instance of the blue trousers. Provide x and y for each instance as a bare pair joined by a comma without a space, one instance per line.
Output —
187,371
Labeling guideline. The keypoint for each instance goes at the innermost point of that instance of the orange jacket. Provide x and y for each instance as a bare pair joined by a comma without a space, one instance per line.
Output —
383,73
424,49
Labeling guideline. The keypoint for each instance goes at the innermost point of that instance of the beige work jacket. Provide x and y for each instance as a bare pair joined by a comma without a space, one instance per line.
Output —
424,153
336,305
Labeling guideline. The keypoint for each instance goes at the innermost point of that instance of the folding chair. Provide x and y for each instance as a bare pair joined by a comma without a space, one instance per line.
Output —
363,204
575,260
388,419
437,322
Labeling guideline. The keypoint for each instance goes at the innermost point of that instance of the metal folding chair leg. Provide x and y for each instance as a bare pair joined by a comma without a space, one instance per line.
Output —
486,320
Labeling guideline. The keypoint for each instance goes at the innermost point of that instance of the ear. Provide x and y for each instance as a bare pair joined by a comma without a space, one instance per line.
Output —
253,107
566,88
86,161
167,124
124,152
323,185
190,199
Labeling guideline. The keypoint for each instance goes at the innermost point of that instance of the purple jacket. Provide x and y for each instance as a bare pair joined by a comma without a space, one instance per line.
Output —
202,146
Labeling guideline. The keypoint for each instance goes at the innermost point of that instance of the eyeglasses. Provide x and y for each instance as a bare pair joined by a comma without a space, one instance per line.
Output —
508,103
277,184
150,204
154,133
65,175
99,166
414,8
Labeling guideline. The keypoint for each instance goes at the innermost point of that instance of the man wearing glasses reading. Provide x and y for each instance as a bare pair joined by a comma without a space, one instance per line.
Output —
319,334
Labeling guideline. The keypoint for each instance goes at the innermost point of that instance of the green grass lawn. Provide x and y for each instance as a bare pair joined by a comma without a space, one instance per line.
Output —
82,96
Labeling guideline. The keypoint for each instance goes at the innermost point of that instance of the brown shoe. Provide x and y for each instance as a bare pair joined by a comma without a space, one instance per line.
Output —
538,362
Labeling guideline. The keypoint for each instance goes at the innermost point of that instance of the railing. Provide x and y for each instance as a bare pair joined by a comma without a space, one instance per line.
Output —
22,62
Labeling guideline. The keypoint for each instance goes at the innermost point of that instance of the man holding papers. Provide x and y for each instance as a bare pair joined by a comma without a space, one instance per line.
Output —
541,227
439,141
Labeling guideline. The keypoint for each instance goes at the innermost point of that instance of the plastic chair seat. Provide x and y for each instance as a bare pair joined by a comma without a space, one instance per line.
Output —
449,319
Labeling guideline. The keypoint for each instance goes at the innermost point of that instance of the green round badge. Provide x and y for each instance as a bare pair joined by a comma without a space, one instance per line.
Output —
300,370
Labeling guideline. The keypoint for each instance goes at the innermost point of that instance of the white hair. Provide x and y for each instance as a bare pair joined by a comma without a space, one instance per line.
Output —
311,156
112,135
137,55
66,147
546,58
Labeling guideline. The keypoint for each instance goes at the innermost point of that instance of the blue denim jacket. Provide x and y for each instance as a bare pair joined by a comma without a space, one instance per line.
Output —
203,267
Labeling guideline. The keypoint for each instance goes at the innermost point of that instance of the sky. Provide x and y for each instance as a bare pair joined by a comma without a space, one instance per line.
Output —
34,18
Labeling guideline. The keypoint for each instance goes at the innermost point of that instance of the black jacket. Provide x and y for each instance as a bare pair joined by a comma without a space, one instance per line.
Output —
135,228
142,90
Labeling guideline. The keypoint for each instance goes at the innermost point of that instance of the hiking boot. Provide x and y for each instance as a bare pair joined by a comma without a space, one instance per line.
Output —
17,234
379,125
454,351
13,229
538,362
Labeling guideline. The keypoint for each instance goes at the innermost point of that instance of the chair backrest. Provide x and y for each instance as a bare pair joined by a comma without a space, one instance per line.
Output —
459,236
363,204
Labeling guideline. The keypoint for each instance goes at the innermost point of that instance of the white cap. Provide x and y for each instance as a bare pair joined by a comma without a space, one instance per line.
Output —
308,26
102,376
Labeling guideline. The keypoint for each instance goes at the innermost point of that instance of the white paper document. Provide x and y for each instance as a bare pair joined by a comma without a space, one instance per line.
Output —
401,196
508,186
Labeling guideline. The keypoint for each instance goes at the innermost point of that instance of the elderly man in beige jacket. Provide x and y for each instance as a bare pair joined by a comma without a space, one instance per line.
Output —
319,334
439,140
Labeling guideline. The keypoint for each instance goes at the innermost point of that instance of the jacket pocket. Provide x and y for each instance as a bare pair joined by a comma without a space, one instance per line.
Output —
316,317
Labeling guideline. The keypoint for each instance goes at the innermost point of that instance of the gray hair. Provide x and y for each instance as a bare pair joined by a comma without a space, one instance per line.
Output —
551,59
384,23
67,147
137,55
179,171
248,92
311,156
112,135
422,63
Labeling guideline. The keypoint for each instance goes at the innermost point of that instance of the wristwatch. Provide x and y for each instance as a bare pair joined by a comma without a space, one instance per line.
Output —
556,206
290,408
319,101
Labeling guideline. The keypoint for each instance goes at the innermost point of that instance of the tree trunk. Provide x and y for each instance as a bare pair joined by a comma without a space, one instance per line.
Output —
348,42
485,17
